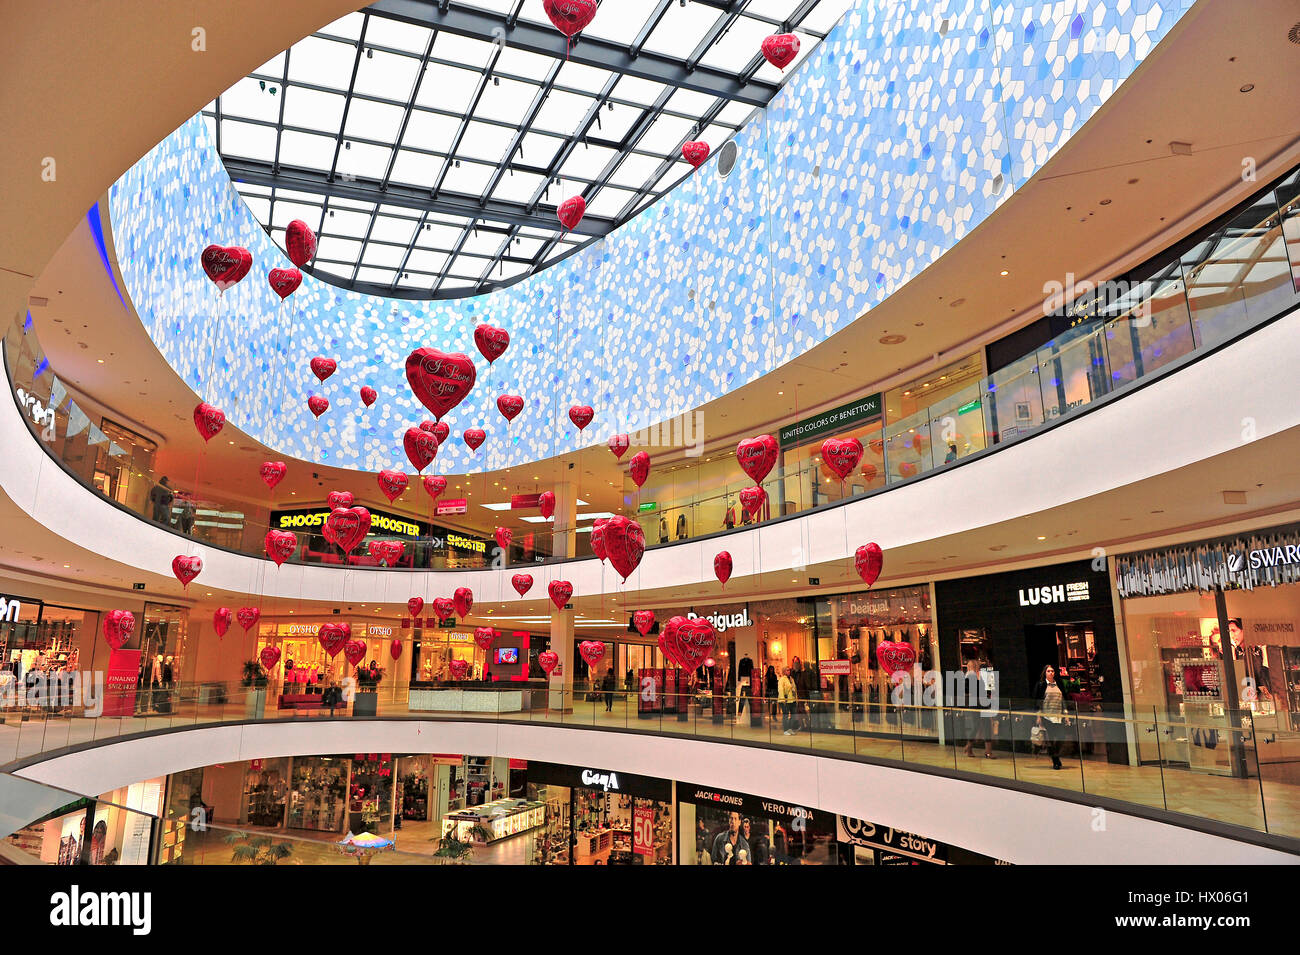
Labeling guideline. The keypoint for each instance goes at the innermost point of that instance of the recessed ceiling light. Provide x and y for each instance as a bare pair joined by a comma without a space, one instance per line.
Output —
1248,87
99,361
1004,272
956,302
893,339
1042,538
1105,202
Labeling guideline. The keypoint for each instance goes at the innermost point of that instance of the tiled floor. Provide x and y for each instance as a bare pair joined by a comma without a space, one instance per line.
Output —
1272,805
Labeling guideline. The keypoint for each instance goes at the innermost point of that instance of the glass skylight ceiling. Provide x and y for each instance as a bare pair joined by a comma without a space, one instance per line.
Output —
429,143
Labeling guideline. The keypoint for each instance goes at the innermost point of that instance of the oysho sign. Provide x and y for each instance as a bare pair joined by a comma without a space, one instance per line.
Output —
721,621
1054,594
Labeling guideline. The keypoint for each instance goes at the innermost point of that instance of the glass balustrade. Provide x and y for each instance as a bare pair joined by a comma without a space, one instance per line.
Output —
1187,301
1138,760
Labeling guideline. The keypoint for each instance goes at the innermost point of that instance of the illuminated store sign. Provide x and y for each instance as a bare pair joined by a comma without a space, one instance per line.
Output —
1058,593
10,609
381,522
606,781
466,543
853,415
721,621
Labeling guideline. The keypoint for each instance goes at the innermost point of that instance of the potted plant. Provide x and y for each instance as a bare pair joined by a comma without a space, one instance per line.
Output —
257,850
253,680
366,701
457,852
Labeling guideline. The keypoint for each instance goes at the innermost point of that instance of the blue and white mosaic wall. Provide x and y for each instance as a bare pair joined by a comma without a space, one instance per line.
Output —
907,127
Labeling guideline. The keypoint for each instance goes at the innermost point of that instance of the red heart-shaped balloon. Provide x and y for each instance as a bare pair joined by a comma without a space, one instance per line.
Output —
581,415
463,601
375,549
522,583
474,437
895,656
221,618
483,637
322,368
440,380
284,282
560,591
869,471
639,468
510,405
907,469
333,637
415,605
458,669
421,447
269,656
118,627
624,543
392,551
780,49
392,483
619,444
570,16
593,651
299,242
598,538
504,535
434,485
877,446
752,499
209,420
347,527
226,265
842,455
644,621
491,341
354,651
280,545
444,607
868,561
440,430
548,660
337,499
395,648
695,640
668,641
368,395
186,568
546,503
722,566
248,617
273,473
756,456
695,152
318,405
571,211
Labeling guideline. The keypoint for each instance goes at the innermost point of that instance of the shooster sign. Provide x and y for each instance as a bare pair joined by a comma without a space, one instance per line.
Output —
312,519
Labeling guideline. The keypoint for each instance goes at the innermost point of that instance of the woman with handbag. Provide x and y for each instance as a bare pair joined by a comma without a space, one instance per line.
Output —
1051,712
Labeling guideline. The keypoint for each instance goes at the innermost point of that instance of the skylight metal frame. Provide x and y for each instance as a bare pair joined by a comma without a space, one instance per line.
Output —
479,218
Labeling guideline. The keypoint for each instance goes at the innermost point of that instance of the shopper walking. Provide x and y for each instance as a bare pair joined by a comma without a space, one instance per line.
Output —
786,698
1051,712
770,683
160,500
608,684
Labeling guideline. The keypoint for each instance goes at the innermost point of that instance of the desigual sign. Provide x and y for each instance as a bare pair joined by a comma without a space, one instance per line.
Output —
721,621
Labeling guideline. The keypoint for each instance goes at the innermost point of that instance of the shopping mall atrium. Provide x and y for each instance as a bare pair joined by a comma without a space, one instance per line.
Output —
650,432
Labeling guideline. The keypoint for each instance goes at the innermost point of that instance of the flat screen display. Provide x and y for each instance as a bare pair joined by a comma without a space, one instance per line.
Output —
507,655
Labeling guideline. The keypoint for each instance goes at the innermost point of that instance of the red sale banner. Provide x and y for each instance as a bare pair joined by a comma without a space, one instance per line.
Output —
643,830
120,682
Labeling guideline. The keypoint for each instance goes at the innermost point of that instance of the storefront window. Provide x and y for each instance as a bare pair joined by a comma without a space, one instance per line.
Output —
317,791
124,466
437,648
723,828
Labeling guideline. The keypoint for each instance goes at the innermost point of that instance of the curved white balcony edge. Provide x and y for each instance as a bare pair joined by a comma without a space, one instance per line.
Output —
1008,824
1186,417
